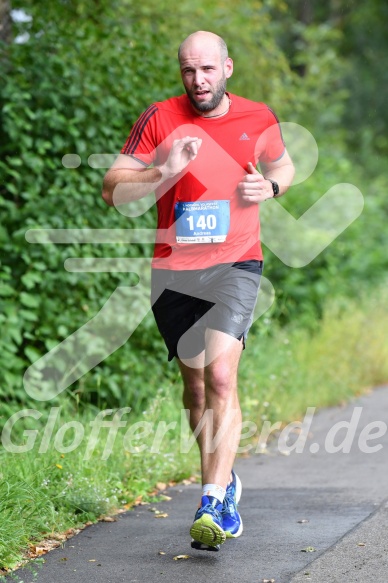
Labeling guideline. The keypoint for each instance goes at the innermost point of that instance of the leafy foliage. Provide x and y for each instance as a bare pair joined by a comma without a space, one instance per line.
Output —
89,111
76,86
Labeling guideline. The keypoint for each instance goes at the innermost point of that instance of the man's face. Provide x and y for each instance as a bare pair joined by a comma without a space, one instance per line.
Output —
204,75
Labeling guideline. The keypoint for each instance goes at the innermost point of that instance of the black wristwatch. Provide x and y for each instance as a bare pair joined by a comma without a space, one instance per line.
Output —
275,187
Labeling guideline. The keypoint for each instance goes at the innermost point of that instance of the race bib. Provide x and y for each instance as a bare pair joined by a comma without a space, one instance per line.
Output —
205,221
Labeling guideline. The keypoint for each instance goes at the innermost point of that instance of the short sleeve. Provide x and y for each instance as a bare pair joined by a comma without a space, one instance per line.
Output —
141,143
270,146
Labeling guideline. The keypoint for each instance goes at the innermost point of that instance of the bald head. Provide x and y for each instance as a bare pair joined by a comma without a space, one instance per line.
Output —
205,68
203,38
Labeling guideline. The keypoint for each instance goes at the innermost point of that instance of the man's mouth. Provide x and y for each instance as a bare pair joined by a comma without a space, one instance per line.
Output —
201,94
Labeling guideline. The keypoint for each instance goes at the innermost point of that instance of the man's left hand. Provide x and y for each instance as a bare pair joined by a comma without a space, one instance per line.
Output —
254,187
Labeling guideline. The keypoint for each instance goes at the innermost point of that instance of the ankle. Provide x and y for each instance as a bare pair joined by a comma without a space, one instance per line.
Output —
215,491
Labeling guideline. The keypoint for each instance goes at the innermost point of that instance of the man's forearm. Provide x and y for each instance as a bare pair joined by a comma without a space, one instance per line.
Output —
283,176
123,185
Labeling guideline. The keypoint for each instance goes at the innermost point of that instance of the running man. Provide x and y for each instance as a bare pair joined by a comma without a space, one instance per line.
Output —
199,152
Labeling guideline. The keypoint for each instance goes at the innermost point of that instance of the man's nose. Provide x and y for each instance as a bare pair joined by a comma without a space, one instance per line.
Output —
198,77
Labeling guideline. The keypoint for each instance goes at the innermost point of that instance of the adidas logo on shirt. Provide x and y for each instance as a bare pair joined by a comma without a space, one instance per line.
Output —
244,137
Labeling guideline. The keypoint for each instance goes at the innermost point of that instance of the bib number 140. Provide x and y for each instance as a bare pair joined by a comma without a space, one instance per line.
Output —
203,222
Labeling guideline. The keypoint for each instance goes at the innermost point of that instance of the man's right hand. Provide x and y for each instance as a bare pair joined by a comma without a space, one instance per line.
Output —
122,184
181,153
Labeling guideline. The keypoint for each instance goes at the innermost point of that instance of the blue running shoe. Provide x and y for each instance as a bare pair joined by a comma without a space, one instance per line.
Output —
231,519
207,529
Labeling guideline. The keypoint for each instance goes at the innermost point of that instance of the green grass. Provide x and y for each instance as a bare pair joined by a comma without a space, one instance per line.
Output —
24,512
283,372
44,493
291,369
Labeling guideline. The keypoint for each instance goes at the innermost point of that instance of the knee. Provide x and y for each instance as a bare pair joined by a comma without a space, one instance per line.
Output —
220,381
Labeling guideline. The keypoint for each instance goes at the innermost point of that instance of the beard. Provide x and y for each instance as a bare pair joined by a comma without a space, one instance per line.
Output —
214,101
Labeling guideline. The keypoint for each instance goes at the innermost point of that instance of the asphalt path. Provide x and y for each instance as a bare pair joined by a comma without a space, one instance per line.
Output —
317,515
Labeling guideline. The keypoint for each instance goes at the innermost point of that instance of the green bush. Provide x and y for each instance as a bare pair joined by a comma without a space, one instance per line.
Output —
65,92
76,87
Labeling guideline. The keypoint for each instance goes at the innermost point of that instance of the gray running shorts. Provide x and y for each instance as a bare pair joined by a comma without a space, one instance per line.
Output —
222,297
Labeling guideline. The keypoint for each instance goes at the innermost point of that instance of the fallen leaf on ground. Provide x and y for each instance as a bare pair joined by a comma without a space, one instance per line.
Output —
361,544
161,515
71,532
161,553
180,557
161,486
268,580
308,550
108,519
165,498
58,536
44,547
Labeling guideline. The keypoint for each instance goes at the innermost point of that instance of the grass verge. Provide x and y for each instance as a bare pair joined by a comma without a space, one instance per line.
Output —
76,469
57,485
294,368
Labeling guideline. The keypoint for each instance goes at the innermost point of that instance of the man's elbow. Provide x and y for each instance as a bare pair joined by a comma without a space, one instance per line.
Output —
107,191
107,197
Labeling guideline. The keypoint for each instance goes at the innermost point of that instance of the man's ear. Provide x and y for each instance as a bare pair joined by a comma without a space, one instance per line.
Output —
228,67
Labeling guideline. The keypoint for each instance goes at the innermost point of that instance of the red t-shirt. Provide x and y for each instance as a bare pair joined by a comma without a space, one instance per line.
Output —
249,132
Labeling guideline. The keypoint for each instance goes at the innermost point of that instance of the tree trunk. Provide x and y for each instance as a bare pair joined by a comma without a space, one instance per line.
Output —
5,21
306,11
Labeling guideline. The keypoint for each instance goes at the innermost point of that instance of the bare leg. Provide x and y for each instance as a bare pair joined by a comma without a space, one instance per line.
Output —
213,390
193,390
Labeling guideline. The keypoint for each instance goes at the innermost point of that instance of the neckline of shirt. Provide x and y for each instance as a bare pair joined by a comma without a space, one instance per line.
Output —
212,119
